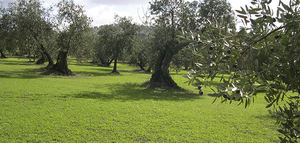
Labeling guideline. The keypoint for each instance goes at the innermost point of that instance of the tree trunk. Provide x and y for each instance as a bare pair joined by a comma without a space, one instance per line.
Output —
2,54
186,67
141,66
29,56
161,76
148,70
44,52
106,63
115,66
48,56
61,66
41,60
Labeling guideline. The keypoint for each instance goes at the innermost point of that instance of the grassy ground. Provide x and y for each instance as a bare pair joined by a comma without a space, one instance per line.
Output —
96,106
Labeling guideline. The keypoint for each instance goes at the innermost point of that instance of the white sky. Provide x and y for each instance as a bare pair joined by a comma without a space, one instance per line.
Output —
103,11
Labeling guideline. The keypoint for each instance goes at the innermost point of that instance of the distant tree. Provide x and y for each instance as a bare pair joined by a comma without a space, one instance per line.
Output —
215,12
86,51
5,31
124,38
8,32
2,54
33,20
105,40
73,25
30,27
113,40
142,53
185,58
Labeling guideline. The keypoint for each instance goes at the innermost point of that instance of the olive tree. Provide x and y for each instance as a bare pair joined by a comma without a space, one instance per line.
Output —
28,25
113,40
73,25
263,58
124,38
34,23
141,53
174,21
5,31
104,41
166,43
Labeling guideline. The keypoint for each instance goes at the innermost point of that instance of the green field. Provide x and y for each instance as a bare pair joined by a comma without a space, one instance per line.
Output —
96,106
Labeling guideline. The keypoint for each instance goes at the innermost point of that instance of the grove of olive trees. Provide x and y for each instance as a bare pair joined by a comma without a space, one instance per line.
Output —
262,55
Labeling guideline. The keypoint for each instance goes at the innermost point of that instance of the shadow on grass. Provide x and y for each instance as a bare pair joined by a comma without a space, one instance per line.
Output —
106,72
22,74
15,63
37,73
264,117
129,91
92,73
83,64
111,69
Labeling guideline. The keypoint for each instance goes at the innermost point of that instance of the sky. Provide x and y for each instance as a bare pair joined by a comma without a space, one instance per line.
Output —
103,11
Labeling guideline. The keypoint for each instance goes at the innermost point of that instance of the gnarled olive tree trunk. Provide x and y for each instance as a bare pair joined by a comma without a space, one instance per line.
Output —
2,55
61,66
106,62
48,56
161,76
41,60
141,65
44,53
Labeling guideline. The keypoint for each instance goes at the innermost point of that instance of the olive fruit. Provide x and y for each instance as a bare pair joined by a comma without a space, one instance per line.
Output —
200,92
211,48
277,36
235,66
264,16
229,51
199,87
237,91
274,19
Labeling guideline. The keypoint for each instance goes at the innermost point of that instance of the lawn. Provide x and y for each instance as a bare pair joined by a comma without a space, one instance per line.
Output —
96,106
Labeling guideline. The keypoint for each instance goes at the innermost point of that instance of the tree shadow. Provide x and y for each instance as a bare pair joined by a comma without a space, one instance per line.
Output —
83,64
119,70
103,72
15,63
130,91
108,71
22,74
264,117
91,73
90,70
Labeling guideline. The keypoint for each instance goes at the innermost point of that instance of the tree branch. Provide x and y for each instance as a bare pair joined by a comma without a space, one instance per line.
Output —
267,35
262,38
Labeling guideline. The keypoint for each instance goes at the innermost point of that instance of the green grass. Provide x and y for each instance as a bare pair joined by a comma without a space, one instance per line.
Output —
96,106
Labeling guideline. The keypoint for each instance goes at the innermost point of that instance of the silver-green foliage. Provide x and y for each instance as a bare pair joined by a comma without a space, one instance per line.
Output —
264,56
